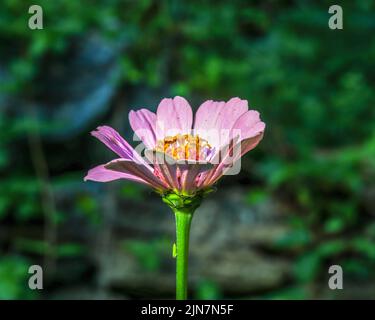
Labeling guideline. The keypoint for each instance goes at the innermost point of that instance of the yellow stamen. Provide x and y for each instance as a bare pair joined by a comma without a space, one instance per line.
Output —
184,146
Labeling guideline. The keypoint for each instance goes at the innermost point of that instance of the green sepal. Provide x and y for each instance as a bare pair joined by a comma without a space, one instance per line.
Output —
185,202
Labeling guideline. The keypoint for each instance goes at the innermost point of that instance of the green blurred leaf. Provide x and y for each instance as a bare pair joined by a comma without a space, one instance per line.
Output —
13,278
132,191
256,196
207,290
307,267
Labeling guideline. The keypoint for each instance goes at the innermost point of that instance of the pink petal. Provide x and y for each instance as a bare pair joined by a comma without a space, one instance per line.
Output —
214,120
189,173
249,144
166,167
173,116
249,125
180,175
233,109
249,130
141,171
229,156
101,174
222,159
112,139
143,123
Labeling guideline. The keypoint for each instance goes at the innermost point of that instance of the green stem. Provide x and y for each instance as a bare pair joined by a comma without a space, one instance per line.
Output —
183,222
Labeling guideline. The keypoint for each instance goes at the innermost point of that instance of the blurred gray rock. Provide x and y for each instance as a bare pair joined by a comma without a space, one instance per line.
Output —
72,89
78,89
84,293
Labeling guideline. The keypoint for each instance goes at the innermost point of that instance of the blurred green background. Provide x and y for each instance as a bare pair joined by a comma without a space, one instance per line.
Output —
305,198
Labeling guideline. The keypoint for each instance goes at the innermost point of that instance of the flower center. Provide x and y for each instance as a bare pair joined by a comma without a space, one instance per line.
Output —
184,146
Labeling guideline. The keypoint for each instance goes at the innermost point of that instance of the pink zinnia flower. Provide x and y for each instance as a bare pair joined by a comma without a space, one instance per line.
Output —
181,157
182,161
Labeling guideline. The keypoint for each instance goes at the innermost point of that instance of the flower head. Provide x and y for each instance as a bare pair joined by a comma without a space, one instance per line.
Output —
180,157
